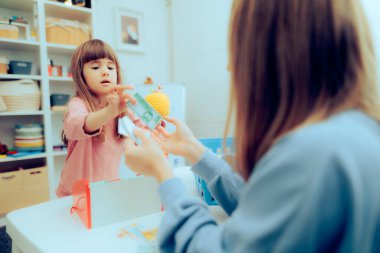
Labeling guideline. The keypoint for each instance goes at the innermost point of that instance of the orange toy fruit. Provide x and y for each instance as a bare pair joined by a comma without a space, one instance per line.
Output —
159,101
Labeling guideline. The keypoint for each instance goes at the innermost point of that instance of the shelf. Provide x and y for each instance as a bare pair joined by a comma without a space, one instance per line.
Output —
21,5
21,113
29,157
16,76
60,79
60,153
60,49
39,51
19,45
15,23
60,10
57,112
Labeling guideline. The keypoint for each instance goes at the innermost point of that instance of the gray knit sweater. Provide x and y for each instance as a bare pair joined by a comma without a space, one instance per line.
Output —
316,190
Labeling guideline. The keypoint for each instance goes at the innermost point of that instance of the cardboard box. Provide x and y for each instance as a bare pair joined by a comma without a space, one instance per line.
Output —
23,187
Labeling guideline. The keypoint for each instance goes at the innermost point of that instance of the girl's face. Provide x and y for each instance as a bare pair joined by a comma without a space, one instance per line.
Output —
100,74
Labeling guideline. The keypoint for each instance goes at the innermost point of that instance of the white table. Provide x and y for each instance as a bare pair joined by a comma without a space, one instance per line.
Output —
49,227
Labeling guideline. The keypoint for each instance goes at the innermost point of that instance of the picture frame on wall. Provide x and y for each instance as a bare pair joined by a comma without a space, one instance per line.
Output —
130,30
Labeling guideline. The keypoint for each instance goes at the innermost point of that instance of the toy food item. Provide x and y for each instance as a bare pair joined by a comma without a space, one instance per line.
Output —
148,80
159,101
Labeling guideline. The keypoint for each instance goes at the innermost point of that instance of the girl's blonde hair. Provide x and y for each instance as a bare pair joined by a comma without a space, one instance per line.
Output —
89,51
293,59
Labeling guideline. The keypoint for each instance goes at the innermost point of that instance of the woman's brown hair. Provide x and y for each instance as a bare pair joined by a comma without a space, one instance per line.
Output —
89,51
291,60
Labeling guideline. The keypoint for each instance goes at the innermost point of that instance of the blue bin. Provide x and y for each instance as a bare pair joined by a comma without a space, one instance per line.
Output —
213,144
20,67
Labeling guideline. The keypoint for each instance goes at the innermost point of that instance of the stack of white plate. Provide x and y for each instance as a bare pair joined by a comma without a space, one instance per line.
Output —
29,137
21,95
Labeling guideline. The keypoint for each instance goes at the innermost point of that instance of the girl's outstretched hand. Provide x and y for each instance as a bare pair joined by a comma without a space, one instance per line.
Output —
147,158
117,100
182,142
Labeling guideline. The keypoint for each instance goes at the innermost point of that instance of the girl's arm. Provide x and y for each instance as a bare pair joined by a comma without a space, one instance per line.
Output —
95,120
116,105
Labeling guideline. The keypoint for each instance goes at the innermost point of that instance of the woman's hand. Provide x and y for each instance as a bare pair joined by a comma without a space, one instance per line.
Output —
147,158
182,142
117,100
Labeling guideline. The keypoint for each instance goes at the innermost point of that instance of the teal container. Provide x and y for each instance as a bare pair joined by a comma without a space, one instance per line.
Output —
216,146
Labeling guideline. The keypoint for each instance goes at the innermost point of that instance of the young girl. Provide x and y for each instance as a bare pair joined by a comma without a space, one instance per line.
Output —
90,122
307,130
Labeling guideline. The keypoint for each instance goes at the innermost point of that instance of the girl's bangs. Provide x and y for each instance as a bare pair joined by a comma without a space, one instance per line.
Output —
97,52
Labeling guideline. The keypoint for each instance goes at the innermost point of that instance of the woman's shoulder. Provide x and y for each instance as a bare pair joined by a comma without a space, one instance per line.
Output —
350,128
323,159
347,136
331,158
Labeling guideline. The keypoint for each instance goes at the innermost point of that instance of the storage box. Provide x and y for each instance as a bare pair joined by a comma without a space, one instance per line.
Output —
68,32
215,145
23,187
9,31
59,99
20,67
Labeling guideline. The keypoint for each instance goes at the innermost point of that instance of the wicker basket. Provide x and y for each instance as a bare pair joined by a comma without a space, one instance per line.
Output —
68,32
9,31
21,95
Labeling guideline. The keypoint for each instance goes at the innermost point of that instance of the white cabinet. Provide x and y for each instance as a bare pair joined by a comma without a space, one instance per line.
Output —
31,46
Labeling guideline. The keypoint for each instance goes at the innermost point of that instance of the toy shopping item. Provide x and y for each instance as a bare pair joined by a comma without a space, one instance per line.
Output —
159,101
145,111
106,202
3,65
126,127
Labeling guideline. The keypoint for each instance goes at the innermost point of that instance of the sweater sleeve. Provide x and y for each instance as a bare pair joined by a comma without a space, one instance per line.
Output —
224,184
280,209
75,117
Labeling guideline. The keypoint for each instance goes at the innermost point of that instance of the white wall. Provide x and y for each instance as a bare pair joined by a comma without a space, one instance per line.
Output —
155,62
199,56
372,8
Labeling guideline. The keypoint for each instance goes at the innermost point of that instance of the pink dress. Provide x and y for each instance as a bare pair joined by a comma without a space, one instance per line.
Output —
88,158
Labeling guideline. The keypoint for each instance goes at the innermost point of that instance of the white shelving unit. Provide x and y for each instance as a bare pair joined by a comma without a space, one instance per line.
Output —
39,51
11,44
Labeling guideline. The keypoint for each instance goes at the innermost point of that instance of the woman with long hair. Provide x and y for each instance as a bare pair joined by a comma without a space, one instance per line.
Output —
307,134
